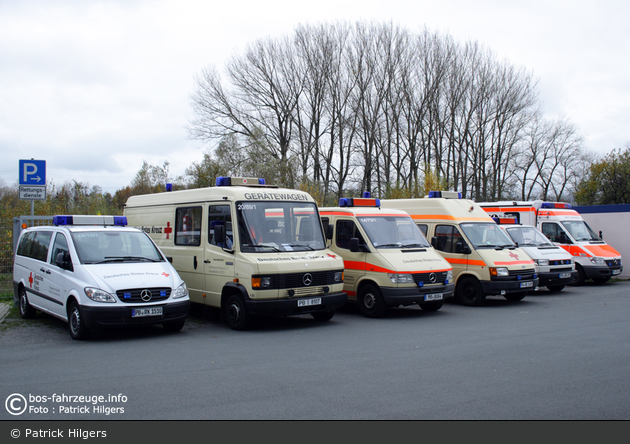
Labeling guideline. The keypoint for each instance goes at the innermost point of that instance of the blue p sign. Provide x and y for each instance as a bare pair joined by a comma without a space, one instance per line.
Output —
33,172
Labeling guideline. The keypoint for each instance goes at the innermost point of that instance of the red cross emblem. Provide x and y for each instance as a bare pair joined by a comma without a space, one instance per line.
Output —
514,255
165,274
332,255
30,279
168,230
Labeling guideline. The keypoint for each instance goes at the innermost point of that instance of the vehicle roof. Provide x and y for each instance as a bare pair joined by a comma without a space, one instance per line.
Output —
253,193
80,228
358,211
439,208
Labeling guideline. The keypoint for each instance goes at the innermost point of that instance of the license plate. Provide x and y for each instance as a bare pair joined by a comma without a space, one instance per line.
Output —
140,312
565,275
433,297
526,284
308,302
616,272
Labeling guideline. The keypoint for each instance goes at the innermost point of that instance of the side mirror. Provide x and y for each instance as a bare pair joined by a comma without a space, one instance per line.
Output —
329,232
434,242
219,235
462,248
354,244
563,239
63,260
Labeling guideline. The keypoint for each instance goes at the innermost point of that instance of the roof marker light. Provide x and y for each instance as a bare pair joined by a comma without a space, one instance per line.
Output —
226,181
445,194
555,205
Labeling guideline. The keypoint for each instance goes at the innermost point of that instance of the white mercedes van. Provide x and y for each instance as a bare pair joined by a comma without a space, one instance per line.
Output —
95,272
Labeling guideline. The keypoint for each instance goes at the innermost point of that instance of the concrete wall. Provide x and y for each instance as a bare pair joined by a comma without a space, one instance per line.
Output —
614,223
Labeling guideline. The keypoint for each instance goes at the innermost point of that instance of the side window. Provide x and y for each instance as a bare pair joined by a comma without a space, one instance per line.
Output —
552,231
188,226
447,238
60,246
220,215
424,228
35,245
325,223
346,230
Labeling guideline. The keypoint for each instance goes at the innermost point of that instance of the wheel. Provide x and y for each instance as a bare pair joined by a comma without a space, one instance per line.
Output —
581,277
555,287
76,324
371,302
469,292
601,280
26,310
236,314
515,297
174,326
432,306
323,316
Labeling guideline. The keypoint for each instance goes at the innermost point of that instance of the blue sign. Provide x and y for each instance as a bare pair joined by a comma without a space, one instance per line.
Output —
33,172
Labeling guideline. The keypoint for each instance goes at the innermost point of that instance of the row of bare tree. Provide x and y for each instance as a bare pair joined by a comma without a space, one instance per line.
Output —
370,106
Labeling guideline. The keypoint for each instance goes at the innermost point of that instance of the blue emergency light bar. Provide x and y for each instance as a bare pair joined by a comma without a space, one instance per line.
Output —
359,202
555,205
445,194
505,220
225,181
90,220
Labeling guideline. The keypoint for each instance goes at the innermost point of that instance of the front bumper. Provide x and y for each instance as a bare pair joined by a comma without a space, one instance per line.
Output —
553,278
100,317
289,306
498,287
414,295
601,271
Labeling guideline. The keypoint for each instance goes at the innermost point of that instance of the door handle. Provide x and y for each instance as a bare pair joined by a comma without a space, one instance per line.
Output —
206,261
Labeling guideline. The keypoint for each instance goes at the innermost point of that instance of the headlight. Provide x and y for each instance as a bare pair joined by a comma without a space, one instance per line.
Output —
449,276
180,292
598,260
400,278
542,261
338,276
98,295
501,271
262,282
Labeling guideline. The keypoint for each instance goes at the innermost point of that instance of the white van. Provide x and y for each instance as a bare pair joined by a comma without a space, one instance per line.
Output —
388,262
245,247
485,261
94,272
554,266
594,258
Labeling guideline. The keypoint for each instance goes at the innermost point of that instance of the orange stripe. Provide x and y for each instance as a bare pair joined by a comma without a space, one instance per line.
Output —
514,209
451,260
362,266
558,213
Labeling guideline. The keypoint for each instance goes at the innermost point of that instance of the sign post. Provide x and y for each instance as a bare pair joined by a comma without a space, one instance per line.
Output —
32,174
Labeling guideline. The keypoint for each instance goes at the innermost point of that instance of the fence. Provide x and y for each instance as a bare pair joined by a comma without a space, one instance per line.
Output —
9,233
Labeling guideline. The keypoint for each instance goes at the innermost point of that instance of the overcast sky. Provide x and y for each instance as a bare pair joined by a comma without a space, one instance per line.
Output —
96,87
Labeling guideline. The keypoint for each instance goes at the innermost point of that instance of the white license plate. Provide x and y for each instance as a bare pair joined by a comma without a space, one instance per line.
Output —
565,275
308,302
616,272
433,297
526,284
140,312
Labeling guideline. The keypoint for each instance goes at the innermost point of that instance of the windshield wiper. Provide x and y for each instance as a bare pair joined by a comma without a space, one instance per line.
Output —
414,246
300,245
389,246
262,246
126,258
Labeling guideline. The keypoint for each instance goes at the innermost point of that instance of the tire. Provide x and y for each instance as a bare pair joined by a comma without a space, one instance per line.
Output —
432,306
555,288
323,316
469,292
581,277
26,310
76,324
235,313
174,327
515,297
371,302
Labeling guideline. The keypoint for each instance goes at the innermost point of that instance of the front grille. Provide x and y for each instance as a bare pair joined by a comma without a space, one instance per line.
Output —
425,278
524,274
560,262
613,263
556,270
297,280
134,295
306,291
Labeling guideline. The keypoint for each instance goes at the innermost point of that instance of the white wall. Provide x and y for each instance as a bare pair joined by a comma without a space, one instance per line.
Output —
614,223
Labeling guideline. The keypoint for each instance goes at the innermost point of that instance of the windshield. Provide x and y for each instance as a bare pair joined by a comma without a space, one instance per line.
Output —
486,235
393,232
97,247
529,236
267,227
580,231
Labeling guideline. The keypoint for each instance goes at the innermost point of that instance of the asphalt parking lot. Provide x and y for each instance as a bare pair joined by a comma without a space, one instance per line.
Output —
552,356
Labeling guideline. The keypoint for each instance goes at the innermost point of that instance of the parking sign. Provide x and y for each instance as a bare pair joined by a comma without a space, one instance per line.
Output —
32,172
